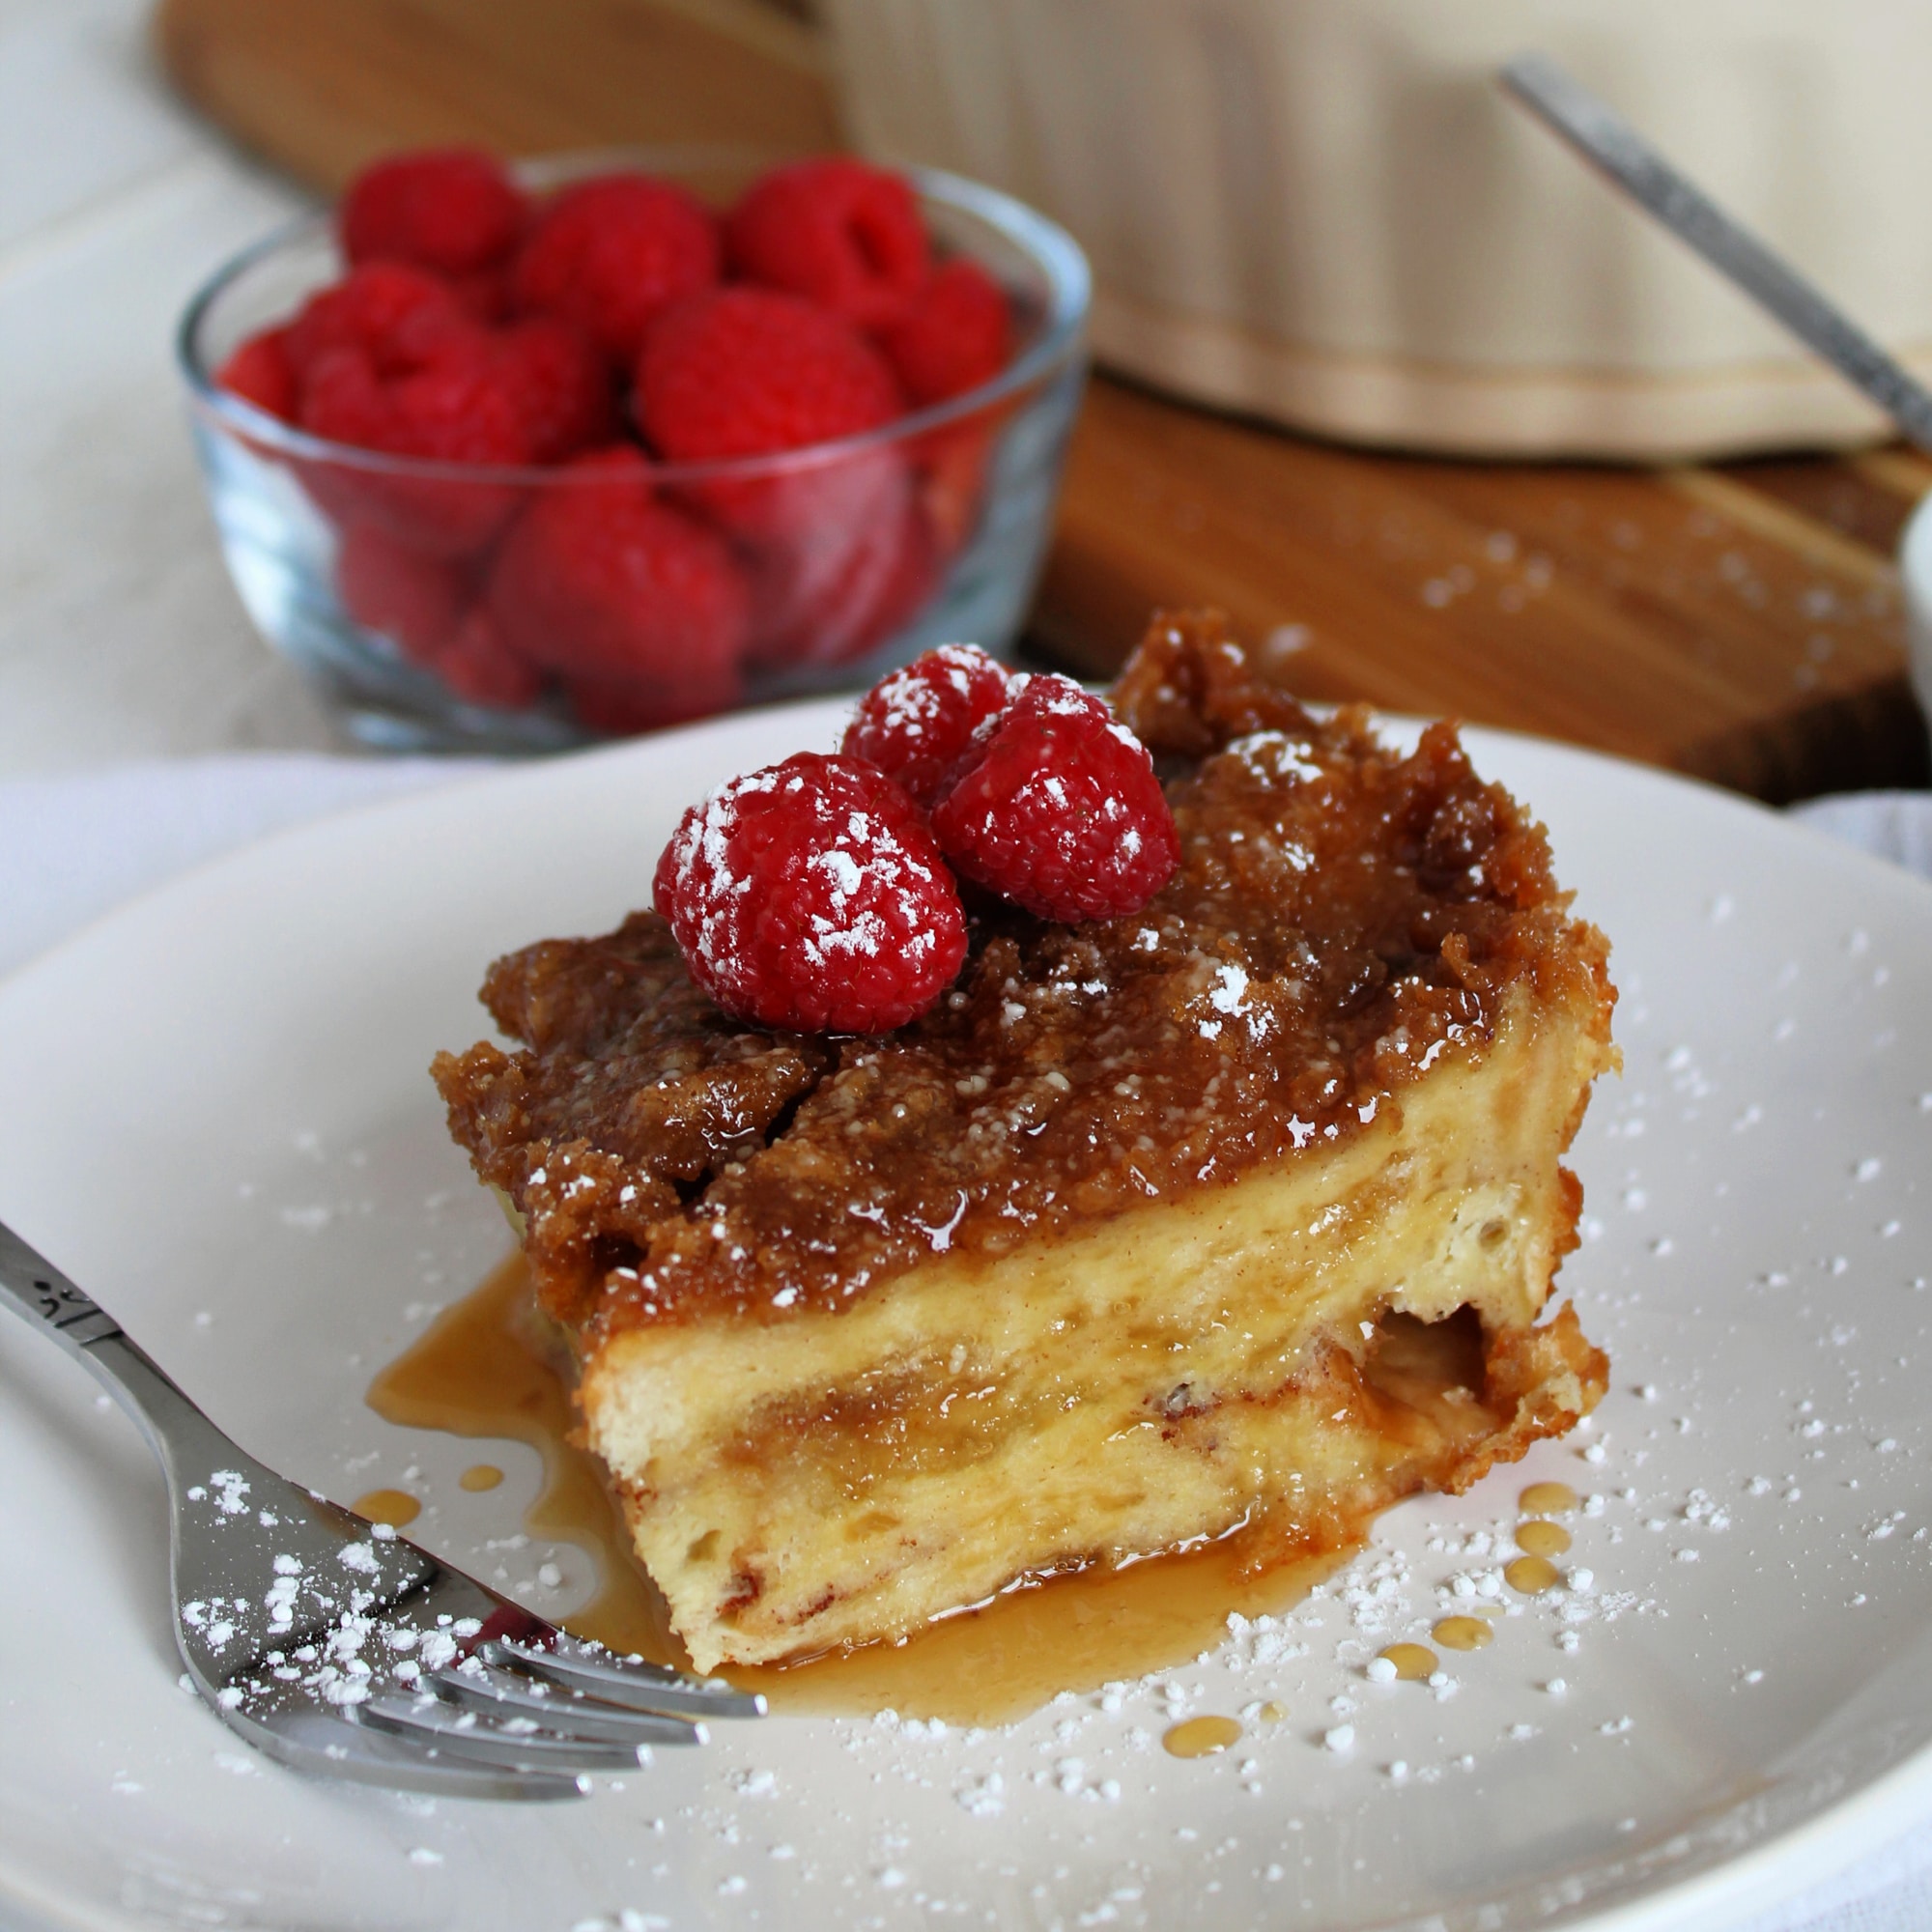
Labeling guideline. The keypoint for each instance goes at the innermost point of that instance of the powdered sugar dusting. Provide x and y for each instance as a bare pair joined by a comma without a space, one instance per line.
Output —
784,881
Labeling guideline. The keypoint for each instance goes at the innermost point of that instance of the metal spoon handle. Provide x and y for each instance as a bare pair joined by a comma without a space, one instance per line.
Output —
1609,143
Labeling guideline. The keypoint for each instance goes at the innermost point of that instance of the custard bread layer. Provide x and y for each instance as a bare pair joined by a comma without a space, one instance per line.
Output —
1158,1378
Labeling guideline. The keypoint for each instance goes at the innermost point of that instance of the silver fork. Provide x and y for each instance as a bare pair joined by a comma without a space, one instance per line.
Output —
338,1646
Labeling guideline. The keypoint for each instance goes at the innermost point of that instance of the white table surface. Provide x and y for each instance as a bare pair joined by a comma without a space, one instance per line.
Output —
120,636
122,647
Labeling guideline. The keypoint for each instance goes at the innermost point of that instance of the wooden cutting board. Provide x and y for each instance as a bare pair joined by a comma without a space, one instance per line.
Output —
1740,621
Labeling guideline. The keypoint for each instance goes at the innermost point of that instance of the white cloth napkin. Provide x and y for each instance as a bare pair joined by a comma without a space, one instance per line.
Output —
1894,825
72,848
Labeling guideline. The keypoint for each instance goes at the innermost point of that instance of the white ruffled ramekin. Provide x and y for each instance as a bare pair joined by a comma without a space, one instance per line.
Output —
1326,212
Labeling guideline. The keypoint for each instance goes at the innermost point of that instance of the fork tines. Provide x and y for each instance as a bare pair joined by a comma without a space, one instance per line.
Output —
630,1682
516,1744
513,1699
558,1706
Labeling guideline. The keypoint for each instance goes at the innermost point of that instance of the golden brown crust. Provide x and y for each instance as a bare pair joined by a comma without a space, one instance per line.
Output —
1544,1380
1189,689
1343,917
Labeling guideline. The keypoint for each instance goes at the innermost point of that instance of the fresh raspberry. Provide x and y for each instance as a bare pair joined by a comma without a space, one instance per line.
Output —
623,710
453,209
609,254
750,372
810,896
951,465
599,581
838,554
1060,812
846,235
954,334
900,596
479,666
832,602
561,384
259,372
419,603
456,407
396,315
484,293
916,723
413,600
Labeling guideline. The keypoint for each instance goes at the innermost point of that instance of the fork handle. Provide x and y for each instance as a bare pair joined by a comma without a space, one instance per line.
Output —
175,1429
41,1291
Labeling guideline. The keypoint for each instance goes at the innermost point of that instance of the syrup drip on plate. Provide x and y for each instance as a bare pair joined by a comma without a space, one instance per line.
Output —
1539,1536
1548,1499
1532,1574
395,1507
1200,1737
1414,1662
486,1369
1462,1633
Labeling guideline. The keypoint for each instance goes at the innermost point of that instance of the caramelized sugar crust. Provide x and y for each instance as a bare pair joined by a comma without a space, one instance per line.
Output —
1343,919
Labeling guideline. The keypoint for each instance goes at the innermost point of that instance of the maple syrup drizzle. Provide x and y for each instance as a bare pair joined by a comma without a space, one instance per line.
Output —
1462,1633
1548,1499
1532,1575
479,1476
1539,1536
1413,1661
485,1368
395,1507
1200,1737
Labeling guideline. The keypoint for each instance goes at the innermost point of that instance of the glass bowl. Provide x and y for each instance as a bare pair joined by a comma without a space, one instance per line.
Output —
367,570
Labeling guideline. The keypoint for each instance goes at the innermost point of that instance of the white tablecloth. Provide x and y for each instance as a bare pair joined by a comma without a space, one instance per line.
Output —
73,847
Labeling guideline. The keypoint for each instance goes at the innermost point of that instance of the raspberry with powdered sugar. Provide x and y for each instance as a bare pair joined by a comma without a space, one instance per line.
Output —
917,723
817,897
812,896
1057,807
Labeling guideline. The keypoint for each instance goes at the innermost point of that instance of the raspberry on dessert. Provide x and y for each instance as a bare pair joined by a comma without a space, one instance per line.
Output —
955,333
453,407
561,384
611,253
836,230
259,372
453,209
600,581
750,372
1059,809
916,723
395,314
810,896
414,599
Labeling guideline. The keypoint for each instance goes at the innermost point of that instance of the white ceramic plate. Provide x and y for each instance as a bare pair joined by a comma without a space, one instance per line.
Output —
213,1113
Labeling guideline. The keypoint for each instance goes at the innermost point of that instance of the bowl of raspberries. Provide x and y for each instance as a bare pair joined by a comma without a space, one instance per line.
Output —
507,458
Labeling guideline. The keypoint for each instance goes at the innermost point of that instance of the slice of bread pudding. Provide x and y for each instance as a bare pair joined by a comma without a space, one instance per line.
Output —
1240,1210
